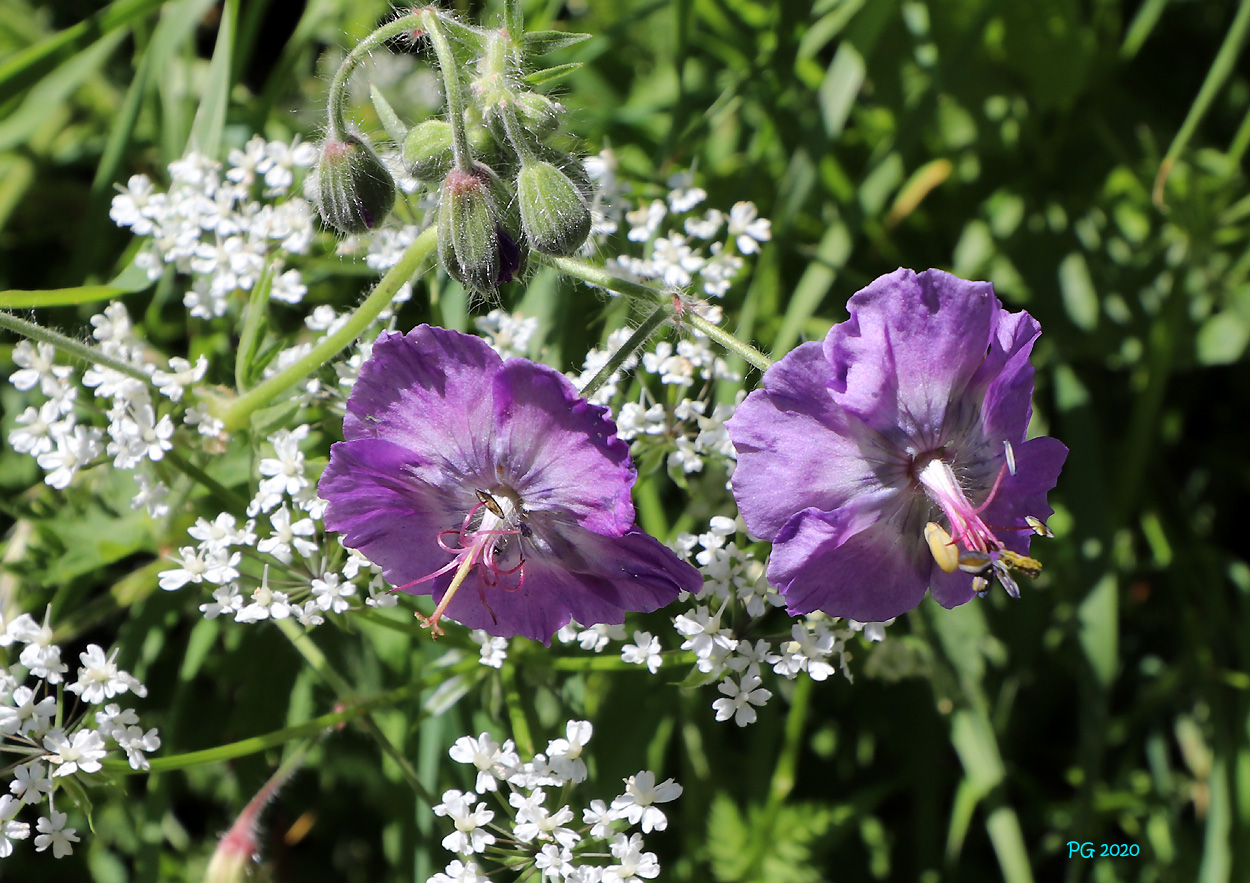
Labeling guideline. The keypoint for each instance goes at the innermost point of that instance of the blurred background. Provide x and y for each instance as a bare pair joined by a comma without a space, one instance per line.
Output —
1086,157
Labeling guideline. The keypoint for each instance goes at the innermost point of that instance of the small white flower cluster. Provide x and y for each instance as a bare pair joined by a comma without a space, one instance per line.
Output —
547,836
51,742
138,434
732,578
306,587
211,225
671,235
692,429
508,334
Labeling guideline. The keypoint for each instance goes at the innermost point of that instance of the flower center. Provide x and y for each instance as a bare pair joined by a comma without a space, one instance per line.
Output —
480,542
983,553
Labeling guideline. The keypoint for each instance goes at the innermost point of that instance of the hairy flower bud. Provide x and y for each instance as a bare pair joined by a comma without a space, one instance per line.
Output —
554,214
477,242
427,150
539,114
352,189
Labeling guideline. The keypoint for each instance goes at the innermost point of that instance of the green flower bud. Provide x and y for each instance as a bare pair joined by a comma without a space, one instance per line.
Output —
539,114
554,214
476,243
350,186
427,150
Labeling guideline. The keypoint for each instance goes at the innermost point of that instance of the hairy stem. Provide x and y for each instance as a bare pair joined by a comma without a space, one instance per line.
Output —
81,351
236,413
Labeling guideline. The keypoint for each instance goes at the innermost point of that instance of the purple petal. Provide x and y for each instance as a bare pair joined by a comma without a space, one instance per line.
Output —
378,505
428,391
793,447
1008,373
1038,463
586,577
950,589
559,452
910,347
851,563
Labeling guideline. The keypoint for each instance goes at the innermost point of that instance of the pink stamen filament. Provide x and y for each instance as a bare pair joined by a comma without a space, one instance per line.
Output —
966,525
473,547
465,566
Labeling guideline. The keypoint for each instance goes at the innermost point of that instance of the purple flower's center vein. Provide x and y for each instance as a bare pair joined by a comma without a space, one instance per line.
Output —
477,548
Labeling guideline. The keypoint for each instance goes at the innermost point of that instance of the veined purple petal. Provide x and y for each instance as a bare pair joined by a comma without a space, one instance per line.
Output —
790,472
586,576
911,345
850,563
384,511
559,451
428,390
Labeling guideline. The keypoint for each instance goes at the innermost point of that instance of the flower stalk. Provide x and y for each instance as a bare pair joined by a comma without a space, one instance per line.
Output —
637,291
235,414
81,351
337,102
453,88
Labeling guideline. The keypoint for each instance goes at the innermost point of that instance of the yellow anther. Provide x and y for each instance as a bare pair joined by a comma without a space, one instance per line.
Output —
941,547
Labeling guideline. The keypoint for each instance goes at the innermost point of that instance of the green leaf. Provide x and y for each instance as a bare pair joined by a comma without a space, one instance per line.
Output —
247,362
1099,619
395,128
840,87
1080,300
542,42
130,280
55,90
29,65
551,74
274,417
210,119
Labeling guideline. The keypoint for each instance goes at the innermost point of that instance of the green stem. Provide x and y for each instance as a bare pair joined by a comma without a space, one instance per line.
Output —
636,341
600,277
1223,65
235,501
236,413
743,350
615,663
516,710
256,744
785,772
81,351
316,659
337,103
452,88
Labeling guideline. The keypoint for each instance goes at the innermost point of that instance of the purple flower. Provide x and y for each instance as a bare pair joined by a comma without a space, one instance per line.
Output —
490,485
891,458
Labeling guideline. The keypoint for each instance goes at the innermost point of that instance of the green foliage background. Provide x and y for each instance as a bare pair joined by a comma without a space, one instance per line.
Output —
1012,141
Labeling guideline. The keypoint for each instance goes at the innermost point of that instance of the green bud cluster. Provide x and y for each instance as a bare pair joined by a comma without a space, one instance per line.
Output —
504,188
